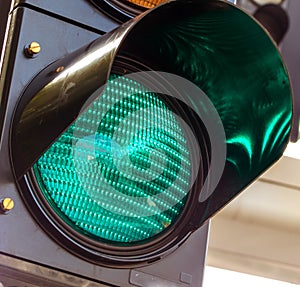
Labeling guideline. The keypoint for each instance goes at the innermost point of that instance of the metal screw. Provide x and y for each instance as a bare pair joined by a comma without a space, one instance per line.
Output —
32,49
7,204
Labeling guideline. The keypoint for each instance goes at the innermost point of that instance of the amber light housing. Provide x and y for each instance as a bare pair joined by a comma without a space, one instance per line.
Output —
124,10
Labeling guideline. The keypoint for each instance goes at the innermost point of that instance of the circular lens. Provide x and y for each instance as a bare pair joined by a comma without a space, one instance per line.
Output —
121,173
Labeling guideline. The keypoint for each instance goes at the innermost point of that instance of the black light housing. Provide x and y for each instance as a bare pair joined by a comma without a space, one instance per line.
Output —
275,19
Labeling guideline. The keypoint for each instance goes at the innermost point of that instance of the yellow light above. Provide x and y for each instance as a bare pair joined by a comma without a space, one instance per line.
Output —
147,3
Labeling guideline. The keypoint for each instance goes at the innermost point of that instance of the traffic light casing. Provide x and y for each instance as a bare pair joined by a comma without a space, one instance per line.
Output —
244,84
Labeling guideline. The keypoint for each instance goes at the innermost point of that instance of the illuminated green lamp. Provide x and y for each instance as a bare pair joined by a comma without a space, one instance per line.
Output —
101,174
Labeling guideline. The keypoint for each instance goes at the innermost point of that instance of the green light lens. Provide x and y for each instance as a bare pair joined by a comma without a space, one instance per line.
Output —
122,171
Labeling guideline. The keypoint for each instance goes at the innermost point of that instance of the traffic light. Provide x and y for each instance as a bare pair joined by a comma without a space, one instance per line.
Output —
120,141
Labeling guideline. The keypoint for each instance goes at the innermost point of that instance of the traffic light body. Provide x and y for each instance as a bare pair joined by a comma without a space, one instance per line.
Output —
235,123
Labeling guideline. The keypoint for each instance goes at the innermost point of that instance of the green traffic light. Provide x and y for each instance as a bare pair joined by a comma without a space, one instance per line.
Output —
101,176
146,165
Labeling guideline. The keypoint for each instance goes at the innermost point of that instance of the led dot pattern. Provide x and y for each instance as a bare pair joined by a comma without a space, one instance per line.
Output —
121,172
146,3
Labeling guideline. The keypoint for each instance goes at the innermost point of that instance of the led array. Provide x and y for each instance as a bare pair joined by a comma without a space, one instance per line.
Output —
121,172
146,3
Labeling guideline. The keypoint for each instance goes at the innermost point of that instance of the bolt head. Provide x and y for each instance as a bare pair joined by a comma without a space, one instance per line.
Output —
7,204
32,49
